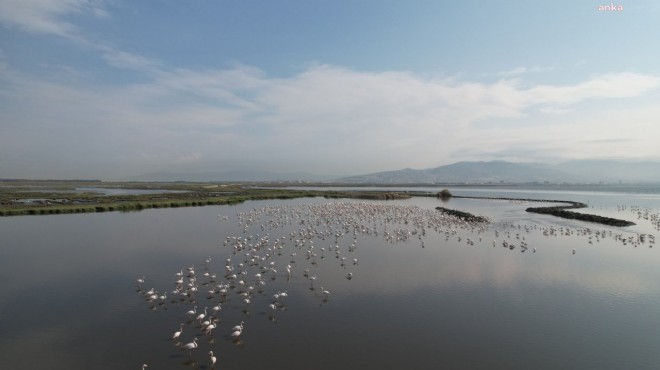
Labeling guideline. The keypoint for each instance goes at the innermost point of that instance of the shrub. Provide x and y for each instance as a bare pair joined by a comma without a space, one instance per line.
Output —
444,194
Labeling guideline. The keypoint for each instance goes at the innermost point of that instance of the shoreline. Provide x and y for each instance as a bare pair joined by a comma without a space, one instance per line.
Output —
25,200
50,198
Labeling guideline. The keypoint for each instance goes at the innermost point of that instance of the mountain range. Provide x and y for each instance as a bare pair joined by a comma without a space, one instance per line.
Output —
579,171
493,172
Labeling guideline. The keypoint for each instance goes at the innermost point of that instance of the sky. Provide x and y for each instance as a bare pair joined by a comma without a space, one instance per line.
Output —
109,89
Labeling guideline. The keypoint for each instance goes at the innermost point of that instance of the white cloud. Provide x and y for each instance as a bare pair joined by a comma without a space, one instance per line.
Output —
615,85
325,119
46,16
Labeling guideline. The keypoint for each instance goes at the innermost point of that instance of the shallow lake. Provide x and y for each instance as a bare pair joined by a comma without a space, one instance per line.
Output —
426,292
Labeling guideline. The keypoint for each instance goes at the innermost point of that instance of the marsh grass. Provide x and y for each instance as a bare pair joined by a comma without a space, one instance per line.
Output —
47,198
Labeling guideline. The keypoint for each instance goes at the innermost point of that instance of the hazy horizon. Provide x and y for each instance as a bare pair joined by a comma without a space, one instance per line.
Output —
113,89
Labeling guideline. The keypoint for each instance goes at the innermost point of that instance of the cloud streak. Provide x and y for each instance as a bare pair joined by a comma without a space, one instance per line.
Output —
47,16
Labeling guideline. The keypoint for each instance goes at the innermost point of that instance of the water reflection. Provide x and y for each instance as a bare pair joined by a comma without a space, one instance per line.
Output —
436,295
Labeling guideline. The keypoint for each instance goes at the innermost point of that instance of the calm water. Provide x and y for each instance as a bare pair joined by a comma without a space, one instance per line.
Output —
444,299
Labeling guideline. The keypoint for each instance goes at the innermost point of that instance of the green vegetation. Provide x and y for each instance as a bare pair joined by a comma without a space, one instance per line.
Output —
57,197
444,194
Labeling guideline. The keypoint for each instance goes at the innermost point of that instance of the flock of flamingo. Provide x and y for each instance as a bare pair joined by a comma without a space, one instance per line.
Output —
255,266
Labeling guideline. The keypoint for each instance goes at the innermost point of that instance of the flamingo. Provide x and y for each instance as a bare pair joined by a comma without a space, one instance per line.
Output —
190,346
177,334
326,294
213,359
237,331
209,328
201,316
140,281
238,327
236,334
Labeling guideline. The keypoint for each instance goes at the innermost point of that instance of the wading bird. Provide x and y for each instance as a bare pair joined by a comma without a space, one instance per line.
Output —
190,346
177,334
213,359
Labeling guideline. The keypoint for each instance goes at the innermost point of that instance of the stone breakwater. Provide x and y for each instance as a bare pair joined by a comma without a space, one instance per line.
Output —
462,215
561,211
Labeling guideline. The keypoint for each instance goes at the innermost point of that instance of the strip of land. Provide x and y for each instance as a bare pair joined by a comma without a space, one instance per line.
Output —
61,197
37,197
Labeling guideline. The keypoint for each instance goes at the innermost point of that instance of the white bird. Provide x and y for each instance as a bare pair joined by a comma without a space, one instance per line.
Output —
201,316
192,312
326,294
236,334
177,334
144,366
190,346
152,297
140,281
213,359
237,331
238,327
209,328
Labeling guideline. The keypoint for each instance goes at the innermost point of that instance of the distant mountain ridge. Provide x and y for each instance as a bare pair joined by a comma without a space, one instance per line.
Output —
494,172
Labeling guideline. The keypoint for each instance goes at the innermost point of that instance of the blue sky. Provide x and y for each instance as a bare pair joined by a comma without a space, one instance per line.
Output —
117,88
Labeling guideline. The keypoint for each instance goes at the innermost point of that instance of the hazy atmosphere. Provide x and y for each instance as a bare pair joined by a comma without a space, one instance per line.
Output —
114,89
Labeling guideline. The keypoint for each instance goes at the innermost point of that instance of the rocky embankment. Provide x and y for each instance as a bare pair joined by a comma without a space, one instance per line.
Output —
561,211
462,215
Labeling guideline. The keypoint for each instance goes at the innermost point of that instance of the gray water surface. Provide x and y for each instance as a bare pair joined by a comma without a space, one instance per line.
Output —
70,297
